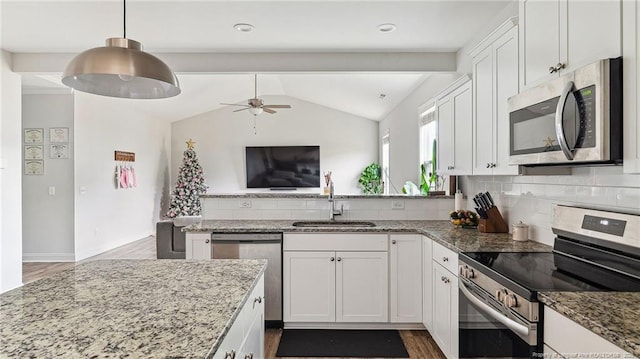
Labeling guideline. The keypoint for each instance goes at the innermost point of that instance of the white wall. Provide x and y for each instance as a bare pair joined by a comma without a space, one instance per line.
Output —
47,220
106,217
402,124
10,176
347,143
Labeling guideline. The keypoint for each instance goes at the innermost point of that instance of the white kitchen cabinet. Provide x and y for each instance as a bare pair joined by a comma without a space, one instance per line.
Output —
567,337
631,84
198,245
405,270
454,116
427,283
245,338
495,79
331,277
565,35
444,328
309,288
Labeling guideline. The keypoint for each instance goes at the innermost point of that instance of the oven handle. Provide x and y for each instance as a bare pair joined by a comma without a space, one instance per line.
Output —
521,330
562,138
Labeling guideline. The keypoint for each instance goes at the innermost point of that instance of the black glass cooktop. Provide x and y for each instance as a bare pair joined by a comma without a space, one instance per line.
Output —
531,272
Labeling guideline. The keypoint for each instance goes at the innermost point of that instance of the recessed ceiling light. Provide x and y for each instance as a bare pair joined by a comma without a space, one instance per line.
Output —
387,27
243,27
382,96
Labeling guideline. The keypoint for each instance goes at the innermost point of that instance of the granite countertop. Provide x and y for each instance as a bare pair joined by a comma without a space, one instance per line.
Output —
316,195
127,308
443,232
593,310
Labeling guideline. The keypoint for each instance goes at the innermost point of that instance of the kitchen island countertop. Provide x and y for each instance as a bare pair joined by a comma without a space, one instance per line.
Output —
127,308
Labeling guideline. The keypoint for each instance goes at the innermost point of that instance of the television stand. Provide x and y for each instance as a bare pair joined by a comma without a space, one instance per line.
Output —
283,189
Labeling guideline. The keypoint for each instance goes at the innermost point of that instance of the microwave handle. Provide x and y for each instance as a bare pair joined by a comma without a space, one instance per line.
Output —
562,139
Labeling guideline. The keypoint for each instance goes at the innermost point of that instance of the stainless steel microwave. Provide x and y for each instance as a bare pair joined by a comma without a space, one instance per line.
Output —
574,119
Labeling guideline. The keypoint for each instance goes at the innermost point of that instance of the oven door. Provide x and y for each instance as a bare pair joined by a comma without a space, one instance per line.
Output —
489,330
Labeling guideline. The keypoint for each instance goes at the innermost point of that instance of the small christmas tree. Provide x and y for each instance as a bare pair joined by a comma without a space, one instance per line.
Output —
185,198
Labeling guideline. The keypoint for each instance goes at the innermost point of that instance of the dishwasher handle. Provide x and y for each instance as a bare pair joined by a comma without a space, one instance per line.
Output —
246,237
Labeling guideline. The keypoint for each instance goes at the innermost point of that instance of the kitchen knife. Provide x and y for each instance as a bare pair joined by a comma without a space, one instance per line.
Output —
490,199
481,213
475,200
483,201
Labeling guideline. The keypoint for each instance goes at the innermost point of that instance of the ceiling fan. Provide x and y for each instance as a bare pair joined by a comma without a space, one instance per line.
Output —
255,105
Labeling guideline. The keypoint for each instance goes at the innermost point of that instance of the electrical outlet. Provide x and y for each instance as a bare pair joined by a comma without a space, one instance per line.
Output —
245,204
397,205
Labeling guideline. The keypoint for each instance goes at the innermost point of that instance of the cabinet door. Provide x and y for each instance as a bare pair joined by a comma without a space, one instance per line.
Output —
444,111
309,286
442,304
462,131
539,40
427,284
483,112
505,59
587,42
631,83
253,346
198,246
361,287
406,279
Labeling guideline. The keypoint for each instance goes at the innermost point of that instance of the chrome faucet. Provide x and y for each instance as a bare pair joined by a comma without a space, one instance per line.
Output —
332,205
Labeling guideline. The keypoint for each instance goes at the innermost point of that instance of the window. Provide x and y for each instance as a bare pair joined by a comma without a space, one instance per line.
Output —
385,163
428,132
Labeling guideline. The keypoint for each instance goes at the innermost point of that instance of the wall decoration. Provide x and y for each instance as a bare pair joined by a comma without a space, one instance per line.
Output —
59,151
33,152
124,156
33,135
34,167
59,134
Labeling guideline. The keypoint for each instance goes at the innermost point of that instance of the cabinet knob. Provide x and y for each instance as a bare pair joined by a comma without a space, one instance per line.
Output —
560,66
248,356
339,259
493,165
230,355
488,165
332,259
445,259
257,300
206,241
445,279
552,69
450,167
393,241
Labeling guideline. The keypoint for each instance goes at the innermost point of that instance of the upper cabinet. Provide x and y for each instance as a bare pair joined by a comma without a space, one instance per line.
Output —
495,79
631,83
454,116
562,35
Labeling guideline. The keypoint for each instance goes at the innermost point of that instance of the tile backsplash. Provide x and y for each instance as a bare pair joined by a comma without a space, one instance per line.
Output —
530,199
318,208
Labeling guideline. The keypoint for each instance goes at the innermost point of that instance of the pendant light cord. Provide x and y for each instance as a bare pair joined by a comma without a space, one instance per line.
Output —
124,20
255,84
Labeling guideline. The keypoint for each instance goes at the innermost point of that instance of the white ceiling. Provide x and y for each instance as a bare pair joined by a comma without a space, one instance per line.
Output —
280,26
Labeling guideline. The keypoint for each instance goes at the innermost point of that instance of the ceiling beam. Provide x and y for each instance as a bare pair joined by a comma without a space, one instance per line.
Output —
44,63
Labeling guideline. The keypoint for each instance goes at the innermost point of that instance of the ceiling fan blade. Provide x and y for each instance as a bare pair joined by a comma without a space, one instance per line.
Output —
242,109
234,104
268,110
277,106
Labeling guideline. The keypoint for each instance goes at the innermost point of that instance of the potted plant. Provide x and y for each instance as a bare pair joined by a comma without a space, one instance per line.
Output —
371,179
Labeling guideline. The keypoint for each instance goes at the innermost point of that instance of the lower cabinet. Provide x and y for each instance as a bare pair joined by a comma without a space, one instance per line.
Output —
567,338
427,280
444,328
198,245
245,338
405,268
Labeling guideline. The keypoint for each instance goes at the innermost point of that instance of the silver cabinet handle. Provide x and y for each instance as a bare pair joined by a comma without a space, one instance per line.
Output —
493,165
339,259
230,355
552,69
488,165
332,259
248,356
560,66
445,279
562,139
393,241
206,241
445,259
257,300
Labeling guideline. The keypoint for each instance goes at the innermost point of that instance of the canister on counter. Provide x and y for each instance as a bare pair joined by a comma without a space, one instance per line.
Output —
520,232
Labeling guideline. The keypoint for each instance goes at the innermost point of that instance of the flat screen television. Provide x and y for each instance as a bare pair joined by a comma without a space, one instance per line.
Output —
283,166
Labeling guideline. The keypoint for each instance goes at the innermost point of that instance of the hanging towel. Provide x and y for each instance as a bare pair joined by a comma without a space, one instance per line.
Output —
133,179
123,177
116,177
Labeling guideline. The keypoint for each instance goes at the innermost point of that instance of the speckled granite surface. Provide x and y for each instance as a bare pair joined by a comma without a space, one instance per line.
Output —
593,310
126,308
314,195
457,239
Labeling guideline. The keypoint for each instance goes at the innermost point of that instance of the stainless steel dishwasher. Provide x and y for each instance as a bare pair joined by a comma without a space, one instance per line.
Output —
257,246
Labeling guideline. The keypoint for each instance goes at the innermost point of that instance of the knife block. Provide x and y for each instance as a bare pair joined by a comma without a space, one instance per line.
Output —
494,223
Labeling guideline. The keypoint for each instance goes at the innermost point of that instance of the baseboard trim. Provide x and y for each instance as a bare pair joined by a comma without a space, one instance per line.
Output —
398,326
48,257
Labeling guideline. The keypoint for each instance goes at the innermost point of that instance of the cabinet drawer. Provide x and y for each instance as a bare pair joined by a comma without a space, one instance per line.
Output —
335,242
445,257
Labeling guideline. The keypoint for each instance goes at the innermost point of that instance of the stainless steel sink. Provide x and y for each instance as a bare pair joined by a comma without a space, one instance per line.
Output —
333,224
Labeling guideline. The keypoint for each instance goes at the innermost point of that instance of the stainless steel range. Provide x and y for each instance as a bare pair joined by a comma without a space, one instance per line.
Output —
500,315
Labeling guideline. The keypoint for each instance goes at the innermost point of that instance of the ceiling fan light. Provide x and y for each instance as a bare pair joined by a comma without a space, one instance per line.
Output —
121,69
255,110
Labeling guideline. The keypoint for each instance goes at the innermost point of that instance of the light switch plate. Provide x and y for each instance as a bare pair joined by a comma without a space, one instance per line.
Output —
245,204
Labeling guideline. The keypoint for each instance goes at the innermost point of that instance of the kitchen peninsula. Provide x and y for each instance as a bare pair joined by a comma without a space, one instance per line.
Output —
129,308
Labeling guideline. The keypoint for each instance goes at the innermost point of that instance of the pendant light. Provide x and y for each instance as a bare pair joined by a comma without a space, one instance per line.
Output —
121,69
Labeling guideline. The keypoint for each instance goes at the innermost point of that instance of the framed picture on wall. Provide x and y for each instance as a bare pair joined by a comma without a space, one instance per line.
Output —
33,152
59,134
59,151
33,135
34,167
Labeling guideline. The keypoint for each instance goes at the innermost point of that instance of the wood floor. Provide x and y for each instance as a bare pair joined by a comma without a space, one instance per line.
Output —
419,343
